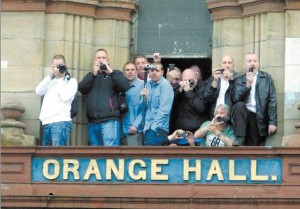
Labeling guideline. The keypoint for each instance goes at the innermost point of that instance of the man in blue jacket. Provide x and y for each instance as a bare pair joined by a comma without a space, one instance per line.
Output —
101,87
160,95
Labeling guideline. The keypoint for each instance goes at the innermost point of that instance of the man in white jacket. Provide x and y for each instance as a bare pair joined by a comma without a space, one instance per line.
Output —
59,90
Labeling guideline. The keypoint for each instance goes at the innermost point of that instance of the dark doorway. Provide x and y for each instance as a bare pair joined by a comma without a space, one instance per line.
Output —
184,63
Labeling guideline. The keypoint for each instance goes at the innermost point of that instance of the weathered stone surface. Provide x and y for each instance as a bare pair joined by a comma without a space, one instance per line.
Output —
17,140
291,140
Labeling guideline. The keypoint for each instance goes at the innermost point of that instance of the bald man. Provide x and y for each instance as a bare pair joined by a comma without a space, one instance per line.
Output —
221,85
255,104
191,107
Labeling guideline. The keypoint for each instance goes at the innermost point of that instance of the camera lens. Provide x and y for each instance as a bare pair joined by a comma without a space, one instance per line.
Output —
62,68
102,66
192,82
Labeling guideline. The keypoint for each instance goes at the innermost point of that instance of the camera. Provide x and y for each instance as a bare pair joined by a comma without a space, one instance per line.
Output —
183,134
62,68
102,66
221,70
222,119
251,69
191,82
122,103
171,67
150,67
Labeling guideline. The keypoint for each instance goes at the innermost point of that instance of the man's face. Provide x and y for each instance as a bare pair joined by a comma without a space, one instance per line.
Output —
251,61
221,112
228,63
197,71
130,71
140,64
101,56
174,77
189,74
156,74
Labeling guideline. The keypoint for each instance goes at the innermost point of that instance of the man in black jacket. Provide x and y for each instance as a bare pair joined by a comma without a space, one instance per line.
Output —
191,108
256,106
101,87
220,86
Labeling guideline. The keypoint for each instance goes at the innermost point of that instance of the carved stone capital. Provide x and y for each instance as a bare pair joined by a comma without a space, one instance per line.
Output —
118,10
253,7
224,9
292,5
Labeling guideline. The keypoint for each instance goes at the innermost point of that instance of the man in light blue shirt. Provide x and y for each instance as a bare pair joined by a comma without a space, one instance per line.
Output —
131,121
160,97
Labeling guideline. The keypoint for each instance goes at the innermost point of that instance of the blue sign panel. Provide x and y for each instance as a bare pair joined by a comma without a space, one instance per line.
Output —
148,170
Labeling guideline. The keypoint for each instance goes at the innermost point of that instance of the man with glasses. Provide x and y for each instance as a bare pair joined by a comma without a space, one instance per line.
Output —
159,95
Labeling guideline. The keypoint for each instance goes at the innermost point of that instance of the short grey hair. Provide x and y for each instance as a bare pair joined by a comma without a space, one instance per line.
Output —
224,107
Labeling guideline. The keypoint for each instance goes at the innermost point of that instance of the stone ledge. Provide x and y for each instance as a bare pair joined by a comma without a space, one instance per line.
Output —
109,9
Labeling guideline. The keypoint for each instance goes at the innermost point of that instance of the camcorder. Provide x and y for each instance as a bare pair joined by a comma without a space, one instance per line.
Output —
62,68
102,66
222,119
150,67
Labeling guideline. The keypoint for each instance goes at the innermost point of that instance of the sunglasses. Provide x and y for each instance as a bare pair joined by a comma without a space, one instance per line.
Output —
156,70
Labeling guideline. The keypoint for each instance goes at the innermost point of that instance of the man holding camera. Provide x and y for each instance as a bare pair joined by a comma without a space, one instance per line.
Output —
191,108
217,132
256,107
220,86
101,87
159,95
59,90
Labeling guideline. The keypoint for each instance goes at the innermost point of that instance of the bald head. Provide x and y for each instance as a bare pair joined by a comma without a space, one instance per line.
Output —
227,62
174,77
189,73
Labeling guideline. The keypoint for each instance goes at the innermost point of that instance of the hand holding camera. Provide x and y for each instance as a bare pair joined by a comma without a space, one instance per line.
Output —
171,67
156,57
250,76
104,67
218,73
101,67
58,71
187,85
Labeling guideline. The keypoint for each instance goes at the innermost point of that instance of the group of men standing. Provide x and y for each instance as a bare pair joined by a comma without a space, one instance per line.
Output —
227,109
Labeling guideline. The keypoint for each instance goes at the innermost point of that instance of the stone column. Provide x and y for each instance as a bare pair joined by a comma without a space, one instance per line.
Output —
228,32
113,22
259,26
292,75
34,31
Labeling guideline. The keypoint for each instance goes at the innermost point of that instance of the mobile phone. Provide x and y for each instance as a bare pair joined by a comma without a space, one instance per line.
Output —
251,69
171,67
183,134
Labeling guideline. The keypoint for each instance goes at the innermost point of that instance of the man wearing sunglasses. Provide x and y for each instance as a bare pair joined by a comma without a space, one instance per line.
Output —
159,95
